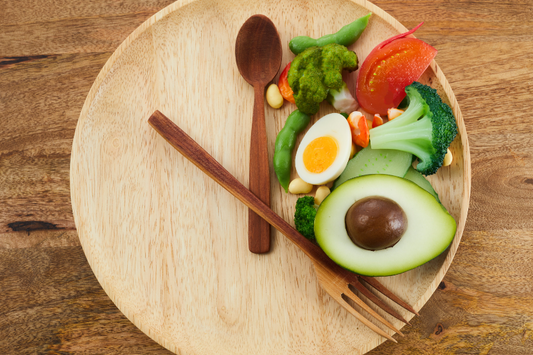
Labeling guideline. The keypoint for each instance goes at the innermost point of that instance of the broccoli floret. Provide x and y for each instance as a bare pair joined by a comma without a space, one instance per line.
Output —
304,216
425,129
316,71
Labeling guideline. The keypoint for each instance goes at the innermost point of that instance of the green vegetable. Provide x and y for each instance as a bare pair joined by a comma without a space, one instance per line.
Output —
285,141
430,228
304,216
316,71
345,36
420,180
425,129
375,161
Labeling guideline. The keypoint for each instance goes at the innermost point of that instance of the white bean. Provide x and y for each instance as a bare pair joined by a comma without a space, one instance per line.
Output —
298,187
448,158
321,193
273,96
352,151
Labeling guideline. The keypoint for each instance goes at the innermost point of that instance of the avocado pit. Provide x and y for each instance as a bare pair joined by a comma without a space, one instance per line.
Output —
375,223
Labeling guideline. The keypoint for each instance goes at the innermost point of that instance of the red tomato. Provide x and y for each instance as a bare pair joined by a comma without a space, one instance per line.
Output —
388,69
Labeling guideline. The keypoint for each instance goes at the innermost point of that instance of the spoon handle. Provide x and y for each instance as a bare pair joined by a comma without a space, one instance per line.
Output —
259,175
212,168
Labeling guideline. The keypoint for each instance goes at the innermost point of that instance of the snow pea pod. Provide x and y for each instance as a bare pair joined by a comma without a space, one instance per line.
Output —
345,36
285,141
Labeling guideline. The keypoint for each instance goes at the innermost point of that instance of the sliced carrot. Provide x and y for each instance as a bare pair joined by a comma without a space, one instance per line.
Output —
359,128
283,85
392,113
378,121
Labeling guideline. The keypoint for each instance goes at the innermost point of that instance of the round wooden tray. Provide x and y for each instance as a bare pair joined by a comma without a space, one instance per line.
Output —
170,246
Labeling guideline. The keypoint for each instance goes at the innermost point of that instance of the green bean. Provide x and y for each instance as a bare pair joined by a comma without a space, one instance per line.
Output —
345,36
285,141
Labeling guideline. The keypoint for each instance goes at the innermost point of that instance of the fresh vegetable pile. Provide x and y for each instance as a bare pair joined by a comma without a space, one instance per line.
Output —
373,212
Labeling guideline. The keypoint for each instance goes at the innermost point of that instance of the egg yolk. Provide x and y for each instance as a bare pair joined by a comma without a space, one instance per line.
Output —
320,154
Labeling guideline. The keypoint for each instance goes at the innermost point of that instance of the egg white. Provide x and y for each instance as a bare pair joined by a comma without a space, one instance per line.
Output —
337,127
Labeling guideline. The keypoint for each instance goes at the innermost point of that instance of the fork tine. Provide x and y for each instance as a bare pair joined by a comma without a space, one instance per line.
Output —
359,316
366,292
335,280
353,279
367,308
378,286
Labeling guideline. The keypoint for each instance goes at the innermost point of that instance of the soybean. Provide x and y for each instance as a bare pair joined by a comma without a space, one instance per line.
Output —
321,193
448,158
273,96
345,36
285,142
298,187
352,151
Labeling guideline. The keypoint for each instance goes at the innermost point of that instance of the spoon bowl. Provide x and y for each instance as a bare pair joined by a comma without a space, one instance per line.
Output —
258,50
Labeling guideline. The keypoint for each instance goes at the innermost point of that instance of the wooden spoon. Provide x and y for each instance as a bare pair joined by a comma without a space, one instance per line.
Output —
258,53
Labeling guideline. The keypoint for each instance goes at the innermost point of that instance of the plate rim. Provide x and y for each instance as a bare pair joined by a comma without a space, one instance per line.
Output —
176,6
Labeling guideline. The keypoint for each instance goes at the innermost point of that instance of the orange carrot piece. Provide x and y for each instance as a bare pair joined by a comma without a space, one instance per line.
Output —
283,85
377,121
359,128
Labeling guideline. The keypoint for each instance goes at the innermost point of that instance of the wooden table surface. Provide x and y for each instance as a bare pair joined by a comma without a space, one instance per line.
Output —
50,54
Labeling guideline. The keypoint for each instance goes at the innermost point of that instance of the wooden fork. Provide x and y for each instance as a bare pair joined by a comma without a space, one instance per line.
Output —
336,281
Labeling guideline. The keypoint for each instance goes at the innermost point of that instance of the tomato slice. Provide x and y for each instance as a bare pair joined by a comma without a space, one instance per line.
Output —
388,70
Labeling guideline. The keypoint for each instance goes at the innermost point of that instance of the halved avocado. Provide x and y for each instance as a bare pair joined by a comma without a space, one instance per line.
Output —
430,228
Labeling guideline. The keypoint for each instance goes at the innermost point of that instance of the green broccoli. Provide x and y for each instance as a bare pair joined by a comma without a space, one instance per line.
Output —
425,129
304,216
316,72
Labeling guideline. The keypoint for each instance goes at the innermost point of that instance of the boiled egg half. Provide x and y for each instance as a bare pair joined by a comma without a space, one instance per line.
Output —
325,150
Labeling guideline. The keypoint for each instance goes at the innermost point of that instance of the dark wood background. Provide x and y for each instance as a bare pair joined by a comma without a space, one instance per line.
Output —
50,54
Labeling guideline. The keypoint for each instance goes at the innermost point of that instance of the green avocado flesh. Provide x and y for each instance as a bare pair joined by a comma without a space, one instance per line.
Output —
430,228
375,161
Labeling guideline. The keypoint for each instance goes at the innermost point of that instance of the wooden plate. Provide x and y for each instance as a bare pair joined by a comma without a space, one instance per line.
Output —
168,245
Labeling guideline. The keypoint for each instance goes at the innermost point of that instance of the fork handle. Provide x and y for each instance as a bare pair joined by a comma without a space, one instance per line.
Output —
205,162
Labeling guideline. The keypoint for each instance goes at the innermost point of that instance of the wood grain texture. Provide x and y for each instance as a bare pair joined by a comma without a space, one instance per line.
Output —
259,174
258,55
52,304
138,208
483,306
333,279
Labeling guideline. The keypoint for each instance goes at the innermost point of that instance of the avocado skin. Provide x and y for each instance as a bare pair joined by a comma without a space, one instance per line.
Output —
430,229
